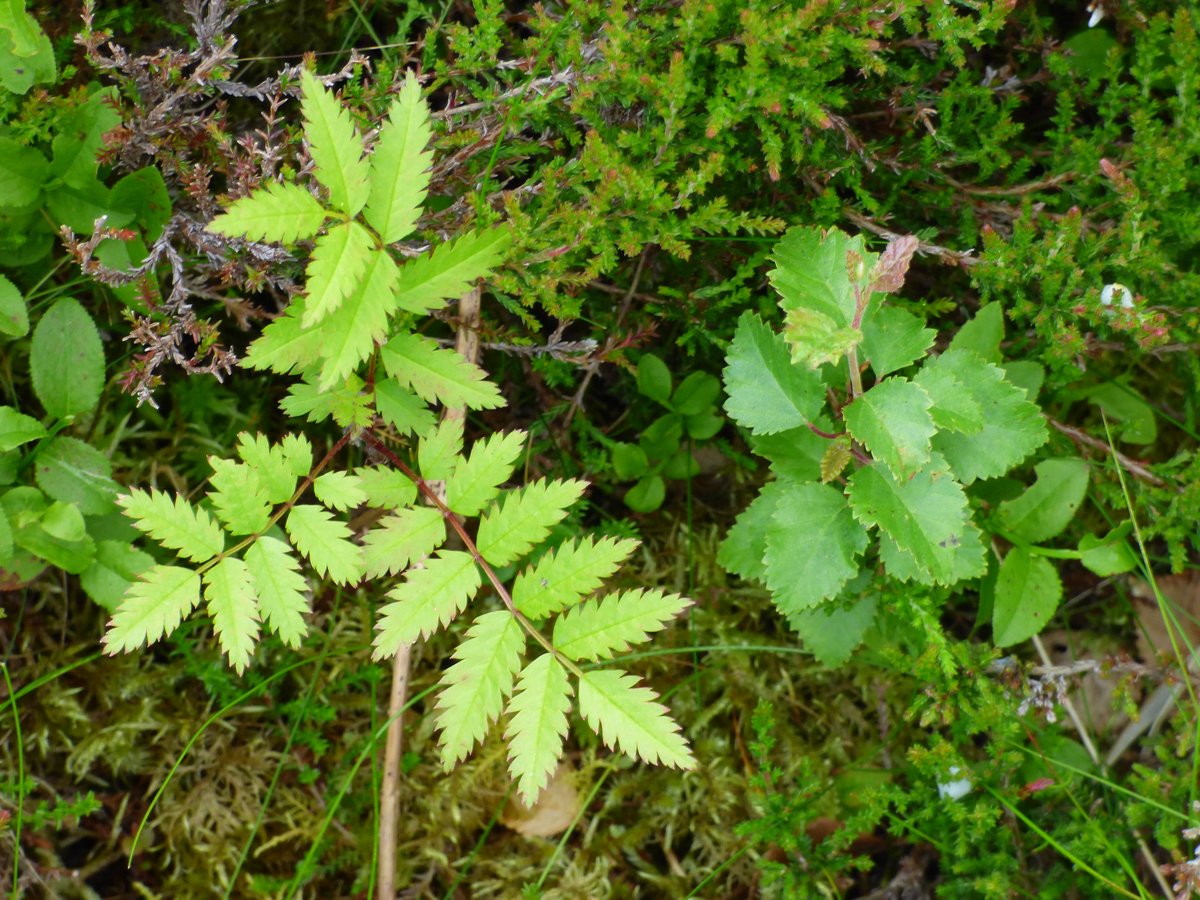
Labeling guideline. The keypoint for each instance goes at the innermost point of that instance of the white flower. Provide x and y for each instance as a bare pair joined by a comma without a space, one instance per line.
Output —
1116,290
1097,12
955,790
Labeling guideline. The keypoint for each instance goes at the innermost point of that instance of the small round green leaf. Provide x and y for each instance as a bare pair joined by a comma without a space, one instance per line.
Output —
1028,592
14,319
647,495
74,472
66,360
654,379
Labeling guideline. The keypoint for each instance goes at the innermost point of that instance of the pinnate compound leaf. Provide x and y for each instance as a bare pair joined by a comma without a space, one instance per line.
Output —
1028,592
175,524
17,429
538,725
400,165
477,479
524,518
1047,506
766,392
229,593
450,269
438,451
893,339
338,261
437,374
285,344
1012,426
402,539
598,628
238,497
386,488
475,688
275,466
152,608
568,572
349,333
812,546
925,515
325,542
402,409
66,360
630,719
892,421
340,490
281,590
281,212
335,146
428,599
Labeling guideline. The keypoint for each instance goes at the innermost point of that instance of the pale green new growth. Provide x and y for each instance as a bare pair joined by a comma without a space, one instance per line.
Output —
630,718
400,165
599,628
524,517
280,588
477,479
439,451
328,335
439,375
402,539
153,607
449,270
339,258
387,488
429,598
538,725
325,542
229,593
335,146
284,345
278,466
340,490
280,212
175,524
568,572
238,497
349,333
474,688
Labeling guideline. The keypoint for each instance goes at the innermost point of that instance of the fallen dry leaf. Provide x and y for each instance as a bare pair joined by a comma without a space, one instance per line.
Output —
553,811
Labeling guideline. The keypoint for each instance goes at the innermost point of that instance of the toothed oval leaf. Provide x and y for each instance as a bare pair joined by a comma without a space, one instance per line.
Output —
630,719
280,212
429,598
537,725
153,607
175,524
474,688
335,146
